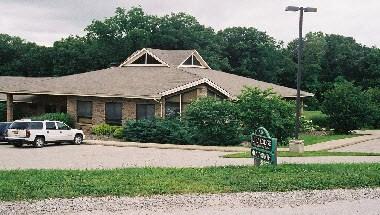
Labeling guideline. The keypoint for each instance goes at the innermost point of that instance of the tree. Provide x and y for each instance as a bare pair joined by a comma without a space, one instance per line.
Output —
347,107
251,53
213,122
258,108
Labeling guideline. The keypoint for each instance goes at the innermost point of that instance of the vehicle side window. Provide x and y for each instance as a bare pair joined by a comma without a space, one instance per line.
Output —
62,126
50,126
36,126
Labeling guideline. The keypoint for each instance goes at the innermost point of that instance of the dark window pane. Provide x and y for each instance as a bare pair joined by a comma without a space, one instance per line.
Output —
113,113
145,111
35,125
19,125
188,61
50,109
196,62
140,60
84,109
50,126
152,60
172,109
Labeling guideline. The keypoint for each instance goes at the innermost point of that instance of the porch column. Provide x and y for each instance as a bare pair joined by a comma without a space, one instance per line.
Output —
9,107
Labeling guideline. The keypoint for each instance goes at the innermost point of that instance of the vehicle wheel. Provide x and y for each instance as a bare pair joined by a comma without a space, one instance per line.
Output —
78,139
39,142
18,145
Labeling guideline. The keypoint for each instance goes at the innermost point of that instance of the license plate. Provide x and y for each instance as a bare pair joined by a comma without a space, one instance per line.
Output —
15,132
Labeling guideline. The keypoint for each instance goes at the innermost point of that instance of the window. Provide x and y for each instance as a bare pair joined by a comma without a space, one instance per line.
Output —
146,59
36,126
172,109
62,126
192,61
50,109
84,112
113,113
19,125
50,126
145,111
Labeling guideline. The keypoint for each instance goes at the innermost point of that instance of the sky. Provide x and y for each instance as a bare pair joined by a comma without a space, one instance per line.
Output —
46,21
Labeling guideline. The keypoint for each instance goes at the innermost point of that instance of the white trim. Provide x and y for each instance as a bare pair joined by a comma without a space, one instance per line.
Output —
199,58
143,51
196,83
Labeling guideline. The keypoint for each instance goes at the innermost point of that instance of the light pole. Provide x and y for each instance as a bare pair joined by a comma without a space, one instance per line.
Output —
300,46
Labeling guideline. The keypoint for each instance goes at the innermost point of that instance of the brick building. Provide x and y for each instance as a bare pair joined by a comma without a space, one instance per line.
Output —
149,83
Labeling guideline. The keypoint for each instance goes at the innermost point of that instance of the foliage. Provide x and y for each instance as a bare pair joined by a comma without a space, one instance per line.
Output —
347,107
304,154
104,129
213,122
374,94
317,118
258,108
62,117
118,133
169,130
18,185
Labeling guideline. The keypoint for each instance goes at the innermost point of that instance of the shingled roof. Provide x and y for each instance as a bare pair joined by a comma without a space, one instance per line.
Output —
140,81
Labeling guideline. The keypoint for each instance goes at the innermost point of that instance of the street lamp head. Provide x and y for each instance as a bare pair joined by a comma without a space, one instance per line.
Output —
310,9
292,8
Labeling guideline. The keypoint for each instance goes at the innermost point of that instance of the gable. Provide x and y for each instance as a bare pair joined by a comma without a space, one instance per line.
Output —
195,61
143,58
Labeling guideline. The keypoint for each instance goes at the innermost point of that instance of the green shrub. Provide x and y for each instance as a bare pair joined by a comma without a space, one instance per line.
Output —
374,94
169,130
62,117
104,129
118,133
213,122
258,108
347,107
321,121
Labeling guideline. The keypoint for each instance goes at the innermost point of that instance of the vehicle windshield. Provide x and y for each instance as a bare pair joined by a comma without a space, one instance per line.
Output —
19,125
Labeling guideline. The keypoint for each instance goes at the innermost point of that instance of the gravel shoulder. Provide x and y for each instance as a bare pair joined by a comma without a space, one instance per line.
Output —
359,201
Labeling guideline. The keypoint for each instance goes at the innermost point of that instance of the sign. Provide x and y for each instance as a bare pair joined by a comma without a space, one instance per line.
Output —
264,147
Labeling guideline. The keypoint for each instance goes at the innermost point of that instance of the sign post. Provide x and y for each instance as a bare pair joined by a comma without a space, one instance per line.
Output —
264,147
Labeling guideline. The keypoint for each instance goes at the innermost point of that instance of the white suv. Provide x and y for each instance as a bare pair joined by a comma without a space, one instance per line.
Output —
38,133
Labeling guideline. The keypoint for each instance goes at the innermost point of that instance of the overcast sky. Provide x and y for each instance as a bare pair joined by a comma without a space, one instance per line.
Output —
45,21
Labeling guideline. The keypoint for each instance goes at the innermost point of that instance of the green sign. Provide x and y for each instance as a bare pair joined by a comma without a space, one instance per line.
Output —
264,147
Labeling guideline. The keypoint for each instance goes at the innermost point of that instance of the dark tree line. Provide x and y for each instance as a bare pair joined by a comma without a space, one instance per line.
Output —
243,51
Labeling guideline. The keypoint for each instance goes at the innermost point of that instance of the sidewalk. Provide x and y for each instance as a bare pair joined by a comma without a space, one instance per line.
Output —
335,144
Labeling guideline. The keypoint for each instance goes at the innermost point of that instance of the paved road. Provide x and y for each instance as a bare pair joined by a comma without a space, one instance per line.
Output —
361,201
97,156
369,146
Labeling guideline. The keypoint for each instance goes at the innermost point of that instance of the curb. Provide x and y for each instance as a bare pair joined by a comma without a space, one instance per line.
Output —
166,146
343,144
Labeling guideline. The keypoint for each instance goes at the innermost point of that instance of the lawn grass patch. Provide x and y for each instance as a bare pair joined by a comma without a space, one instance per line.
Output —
42,184
313,139
305,154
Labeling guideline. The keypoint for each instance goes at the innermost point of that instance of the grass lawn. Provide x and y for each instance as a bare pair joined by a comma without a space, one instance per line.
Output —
312,114
311,139
305,154
42,184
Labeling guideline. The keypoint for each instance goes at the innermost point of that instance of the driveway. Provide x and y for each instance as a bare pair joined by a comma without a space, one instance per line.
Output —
98,157
368,146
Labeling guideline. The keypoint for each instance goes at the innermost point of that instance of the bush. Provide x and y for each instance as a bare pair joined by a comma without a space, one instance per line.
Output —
258,108
118,133
62,117
347,107
213,122
104,129
169,130
374,94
